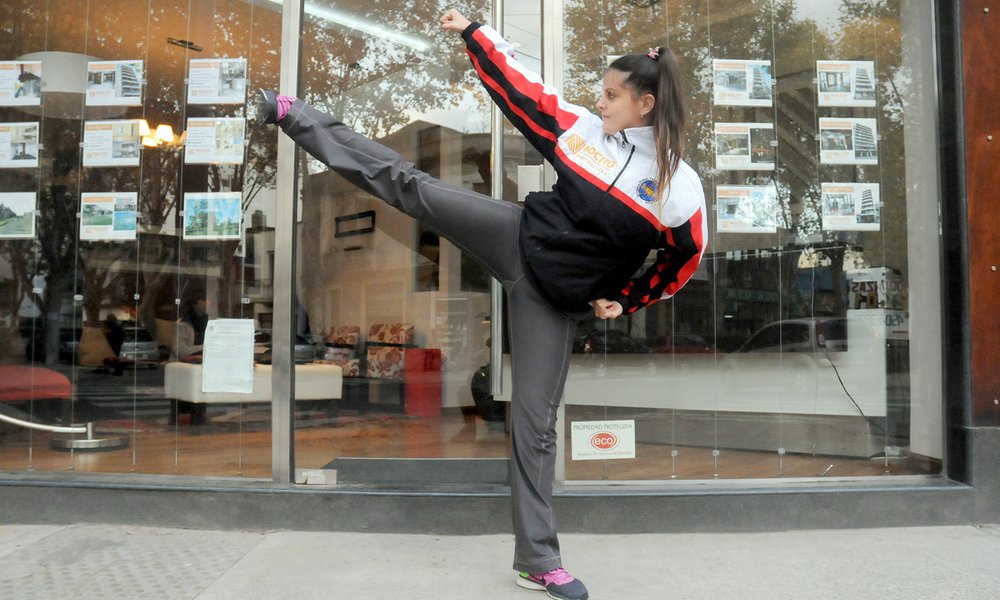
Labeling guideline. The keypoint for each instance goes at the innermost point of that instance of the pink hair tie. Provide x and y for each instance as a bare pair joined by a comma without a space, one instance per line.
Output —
653,54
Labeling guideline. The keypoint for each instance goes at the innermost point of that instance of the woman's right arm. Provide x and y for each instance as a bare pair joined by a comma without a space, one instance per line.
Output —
536,109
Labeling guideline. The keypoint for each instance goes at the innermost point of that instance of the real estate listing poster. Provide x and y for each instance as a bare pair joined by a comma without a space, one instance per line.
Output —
212,215
742,82
217,81
111,143
851,207
20,83
213,141
108,216
848,141
845,82
18,145
747,208
114,83
17,215
744,146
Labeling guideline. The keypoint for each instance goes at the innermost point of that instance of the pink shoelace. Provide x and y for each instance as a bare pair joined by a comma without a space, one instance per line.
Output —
557,576
284,103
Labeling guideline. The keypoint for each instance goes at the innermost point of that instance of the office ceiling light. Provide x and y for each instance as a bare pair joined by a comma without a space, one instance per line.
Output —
365,26
164,134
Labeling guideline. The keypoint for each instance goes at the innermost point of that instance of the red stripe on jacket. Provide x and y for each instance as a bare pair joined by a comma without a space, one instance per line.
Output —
547,103
496,87
685,272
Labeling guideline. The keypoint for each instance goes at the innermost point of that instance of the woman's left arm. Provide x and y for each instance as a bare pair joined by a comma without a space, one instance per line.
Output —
680,253
536,109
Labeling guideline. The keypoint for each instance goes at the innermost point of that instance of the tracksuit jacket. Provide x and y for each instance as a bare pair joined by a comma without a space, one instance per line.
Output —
588,236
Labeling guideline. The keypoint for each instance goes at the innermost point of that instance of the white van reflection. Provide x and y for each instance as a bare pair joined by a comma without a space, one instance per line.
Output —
831,366
827,334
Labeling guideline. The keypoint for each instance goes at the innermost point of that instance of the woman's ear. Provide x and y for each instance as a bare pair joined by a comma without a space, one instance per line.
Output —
647,102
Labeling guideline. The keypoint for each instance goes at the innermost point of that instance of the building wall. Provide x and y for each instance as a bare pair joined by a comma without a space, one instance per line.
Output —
978,434
981,26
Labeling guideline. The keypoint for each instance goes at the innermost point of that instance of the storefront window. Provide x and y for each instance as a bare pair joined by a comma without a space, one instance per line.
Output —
135,207
398,311
789,352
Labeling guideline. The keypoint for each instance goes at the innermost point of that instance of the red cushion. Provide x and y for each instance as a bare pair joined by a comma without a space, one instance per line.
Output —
20,383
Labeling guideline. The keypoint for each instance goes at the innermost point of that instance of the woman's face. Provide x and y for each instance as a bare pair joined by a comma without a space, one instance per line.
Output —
620,107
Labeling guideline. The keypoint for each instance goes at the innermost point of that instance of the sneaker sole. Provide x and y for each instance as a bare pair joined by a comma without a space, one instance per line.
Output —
258,121
529,584
537,587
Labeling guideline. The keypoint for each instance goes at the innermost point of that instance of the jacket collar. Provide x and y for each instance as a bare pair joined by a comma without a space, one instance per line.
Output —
637,136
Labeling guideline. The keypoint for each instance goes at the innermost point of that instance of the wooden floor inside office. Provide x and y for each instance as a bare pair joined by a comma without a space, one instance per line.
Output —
238,444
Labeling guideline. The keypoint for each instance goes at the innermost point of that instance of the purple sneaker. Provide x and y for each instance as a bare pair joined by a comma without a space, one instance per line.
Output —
267,108
557,583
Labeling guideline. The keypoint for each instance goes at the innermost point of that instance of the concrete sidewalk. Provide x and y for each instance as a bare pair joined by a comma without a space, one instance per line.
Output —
100,561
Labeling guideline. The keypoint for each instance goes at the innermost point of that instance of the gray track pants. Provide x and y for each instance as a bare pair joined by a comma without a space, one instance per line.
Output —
541,338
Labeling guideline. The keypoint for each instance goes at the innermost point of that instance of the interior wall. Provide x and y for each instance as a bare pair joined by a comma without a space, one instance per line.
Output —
366,279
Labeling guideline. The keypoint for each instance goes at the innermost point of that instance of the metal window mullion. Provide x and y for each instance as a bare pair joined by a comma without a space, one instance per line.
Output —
496,290
553,61
282,363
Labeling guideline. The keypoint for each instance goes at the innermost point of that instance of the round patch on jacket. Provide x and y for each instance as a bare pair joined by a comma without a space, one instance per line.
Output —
646,190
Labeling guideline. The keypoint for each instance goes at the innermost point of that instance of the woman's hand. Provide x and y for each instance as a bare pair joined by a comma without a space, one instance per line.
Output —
452,20
606,309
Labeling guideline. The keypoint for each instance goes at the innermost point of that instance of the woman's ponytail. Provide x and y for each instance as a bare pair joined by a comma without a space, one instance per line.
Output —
668,119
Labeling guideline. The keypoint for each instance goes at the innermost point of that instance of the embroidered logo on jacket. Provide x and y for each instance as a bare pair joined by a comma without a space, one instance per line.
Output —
577,145
646,190
574,143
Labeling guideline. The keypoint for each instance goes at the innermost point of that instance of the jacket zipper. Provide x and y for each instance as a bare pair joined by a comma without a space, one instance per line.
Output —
617,177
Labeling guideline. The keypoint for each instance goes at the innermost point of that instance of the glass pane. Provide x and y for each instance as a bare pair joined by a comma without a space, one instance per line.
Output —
136,127
788,353
398,316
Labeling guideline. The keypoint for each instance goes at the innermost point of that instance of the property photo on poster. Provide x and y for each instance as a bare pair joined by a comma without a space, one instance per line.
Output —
742,82
212,141
17,215
20,83
744,146
111,143
217,81
108,216
114,83
848,141
851,207
18,145
747,208
845,82
212,216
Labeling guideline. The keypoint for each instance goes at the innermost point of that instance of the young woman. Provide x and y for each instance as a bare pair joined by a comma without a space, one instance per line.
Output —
622,191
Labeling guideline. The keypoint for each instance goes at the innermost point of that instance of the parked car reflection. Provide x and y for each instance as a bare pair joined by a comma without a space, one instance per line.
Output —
821,334
139,346
682,343
610,341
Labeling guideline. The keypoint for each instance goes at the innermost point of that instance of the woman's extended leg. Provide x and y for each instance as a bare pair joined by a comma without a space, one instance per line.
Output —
481,226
